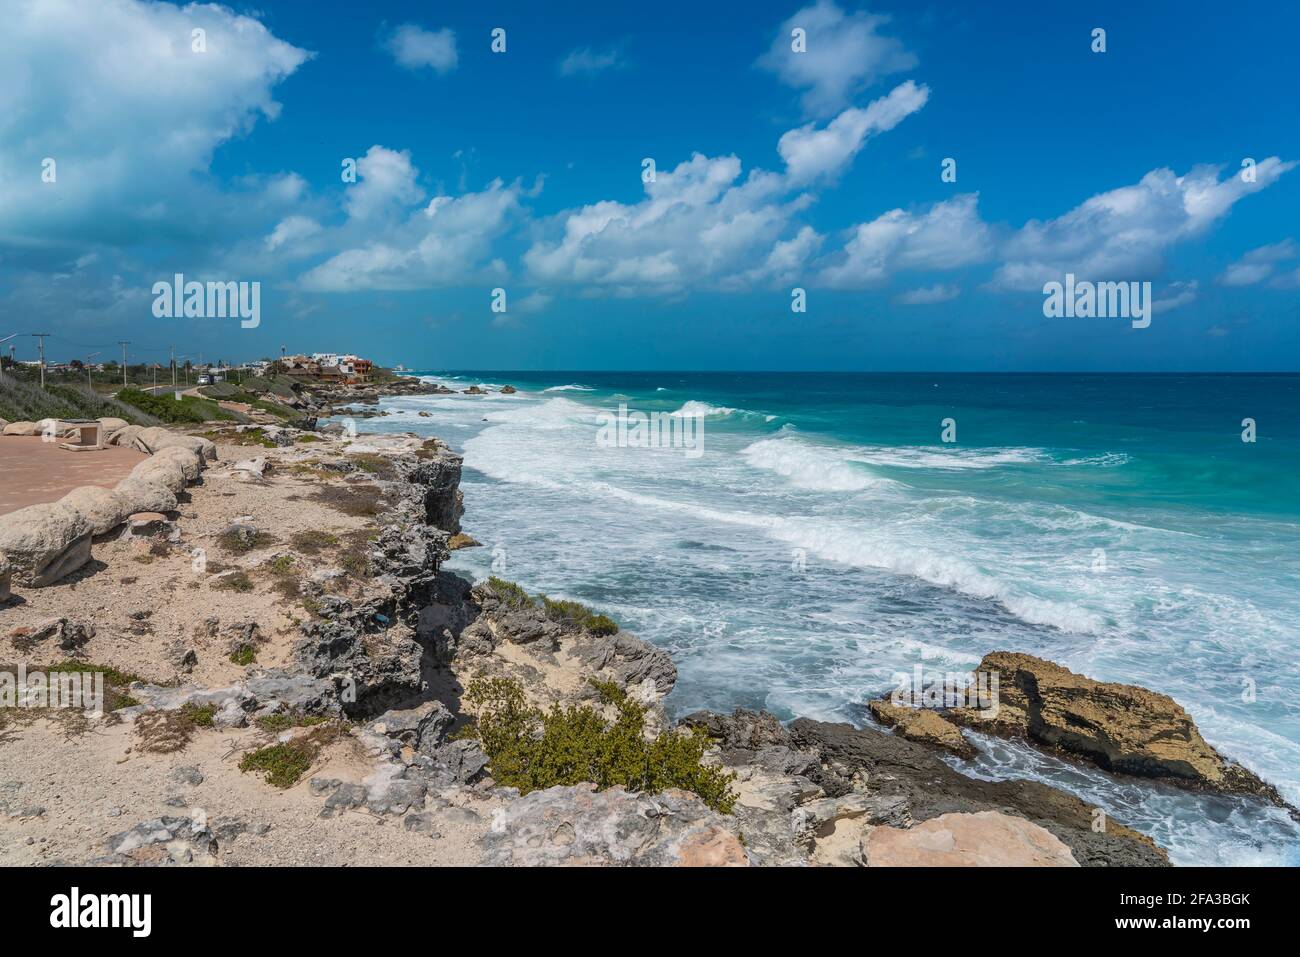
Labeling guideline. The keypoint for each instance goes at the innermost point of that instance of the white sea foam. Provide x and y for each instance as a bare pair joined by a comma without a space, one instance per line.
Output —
810,466
572,387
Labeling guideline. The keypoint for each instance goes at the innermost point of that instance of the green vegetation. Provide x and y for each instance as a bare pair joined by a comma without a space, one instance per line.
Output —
233,393
22,401
245,654
168,408
238,540
236,582
164,732
571,613
313,541
275,723
285,764
531,749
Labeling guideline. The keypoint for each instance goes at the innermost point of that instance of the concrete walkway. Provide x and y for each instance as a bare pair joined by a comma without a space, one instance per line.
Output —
32,471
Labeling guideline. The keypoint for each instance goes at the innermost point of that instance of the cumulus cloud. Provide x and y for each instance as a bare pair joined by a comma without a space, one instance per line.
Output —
386,179
132,127
1259,264
946,236
844,55
1176,294
290,230
416,48
810,153
928,295
448,241
587,62
1122,234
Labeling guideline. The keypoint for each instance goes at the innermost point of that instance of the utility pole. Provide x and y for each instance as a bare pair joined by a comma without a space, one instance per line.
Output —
41,336
89,383
173,351
124,343
11,355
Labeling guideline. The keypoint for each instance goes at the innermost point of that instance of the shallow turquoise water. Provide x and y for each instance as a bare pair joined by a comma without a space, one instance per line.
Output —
827,539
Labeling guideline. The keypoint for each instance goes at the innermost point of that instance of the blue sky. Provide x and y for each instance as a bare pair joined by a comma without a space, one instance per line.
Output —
522,171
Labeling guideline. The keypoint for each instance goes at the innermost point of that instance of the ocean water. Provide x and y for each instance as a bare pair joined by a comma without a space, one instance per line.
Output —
827,539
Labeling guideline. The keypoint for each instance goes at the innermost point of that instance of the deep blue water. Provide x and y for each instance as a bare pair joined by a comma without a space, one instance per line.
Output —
827,539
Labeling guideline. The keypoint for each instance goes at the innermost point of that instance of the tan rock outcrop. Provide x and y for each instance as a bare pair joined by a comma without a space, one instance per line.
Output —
109,424
924,725
189,460
1121,728
982,839
143,496
45,542
161,471
104,508
22,428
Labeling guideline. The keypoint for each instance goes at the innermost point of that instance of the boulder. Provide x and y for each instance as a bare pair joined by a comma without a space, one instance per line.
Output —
146,496
190,461
581,826
205,449
125,436
1120,728
45,542
924,725
984,839
104,508
22,428
161,471
109,424
6,578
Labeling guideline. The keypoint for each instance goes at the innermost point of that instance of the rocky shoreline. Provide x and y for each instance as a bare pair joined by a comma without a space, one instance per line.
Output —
323,705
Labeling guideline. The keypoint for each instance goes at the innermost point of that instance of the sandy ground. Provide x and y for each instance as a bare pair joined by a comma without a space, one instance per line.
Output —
33,471
94,786
146,598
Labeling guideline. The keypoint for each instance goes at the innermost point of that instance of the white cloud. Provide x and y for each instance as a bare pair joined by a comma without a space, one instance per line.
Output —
290,230
1259,264
810,153
1176,294
845,54
448,241
928,295
534,302
948,235
414,48
386,179
1122,234
586,62
131,117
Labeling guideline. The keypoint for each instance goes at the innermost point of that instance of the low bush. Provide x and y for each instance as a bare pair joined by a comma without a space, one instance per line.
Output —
531,749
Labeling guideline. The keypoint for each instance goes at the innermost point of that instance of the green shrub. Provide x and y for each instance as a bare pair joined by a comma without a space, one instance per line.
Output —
168,408
284,764
572,613
27,402
510,594
531,749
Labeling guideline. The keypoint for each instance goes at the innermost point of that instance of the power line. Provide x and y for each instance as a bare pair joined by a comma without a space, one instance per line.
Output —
42,336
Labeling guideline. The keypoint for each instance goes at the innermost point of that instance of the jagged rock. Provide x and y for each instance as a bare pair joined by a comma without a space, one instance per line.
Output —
456,762
461,540
163,841
45,542
1119,727
143,496
924,725
182,657
104,509
187,776
882,763
631,660
421,728
70,635
817,819
580,826
344,798
6,579
742,730
390,791
508,390
379,669
273,689
242,535
984,839
440,478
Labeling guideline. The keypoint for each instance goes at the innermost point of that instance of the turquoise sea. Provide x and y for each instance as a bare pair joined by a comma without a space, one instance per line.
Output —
828,539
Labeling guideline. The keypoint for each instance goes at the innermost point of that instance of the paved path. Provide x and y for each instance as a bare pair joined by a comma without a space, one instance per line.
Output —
32,471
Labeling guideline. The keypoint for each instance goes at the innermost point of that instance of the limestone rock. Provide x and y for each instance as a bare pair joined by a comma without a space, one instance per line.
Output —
104,508
45,542
6,578
188,459
984,839
581,826
924,725
22,428
161,471
109,424
1119,727
146,496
